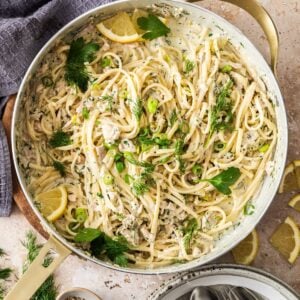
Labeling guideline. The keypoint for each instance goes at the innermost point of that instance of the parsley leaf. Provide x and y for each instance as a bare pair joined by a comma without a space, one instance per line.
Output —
101,243
58,166
87,235
189,231
224,180
79,53
60,139
154,27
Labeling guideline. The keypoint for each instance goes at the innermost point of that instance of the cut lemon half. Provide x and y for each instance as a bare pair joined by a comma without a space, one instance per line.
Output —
119,28
295,202
291,177
53,203
286,239
245,252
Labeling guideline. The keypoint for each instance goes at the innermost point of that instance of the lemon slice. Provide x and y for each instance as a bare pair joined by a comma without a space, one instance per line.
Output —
291,177
286,239
119,28
245,252
295,202
53,203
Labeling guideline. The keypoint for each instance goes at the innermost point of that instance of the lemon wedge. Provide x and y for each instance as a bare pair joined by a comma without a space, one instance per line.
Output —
295,202
291,177
286,239
52,203
245,252
119,28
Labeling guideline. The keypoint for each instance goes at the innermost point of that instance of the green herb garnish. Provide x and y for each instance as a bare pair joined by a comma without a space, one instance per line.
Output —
79,53
249,209
60,167
101,243
221,114
60,139
139,187
85,113
173,117
188,66
109,100
108,179
47,81
226,69
81,214
224,180
154,27
188,232
264,148
87,235
152,105
179,144
131,159
5,273
105,62
197,169
137,109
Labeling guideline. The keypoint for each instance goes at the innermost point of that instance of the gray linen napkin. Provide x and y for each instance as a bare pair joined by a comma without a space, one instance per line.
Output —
25,26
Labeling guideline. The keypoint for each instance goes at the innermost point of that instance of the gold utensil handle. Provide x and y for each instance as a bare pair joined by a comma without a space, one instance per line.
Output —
260,14
36,273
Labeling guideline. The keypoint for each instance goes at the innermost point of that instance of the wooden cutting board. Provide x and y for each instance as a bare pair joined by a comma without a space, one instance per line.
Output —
18,195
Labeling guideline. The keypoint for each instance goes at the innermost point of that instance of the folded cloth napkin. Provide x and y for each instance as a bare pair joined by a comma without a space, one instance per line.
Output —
25,26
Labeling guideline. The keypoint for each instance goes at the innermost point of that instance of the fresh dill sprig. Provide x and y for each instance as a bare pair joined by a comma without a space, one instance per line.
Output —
5,273
109,100
188,232
48,290
2,253
79,53
60,167
221,114
145,164
173,117
138,109
60,139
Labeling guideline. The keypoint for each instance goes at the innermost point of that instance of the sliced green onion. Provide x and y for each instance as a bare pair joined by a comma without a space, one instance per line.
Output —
47,81
184,127
110,146
105,62
264,148
81,214
152,105
128,178
226,69
120,166
197,169
249,209
219,146
108,179
85,113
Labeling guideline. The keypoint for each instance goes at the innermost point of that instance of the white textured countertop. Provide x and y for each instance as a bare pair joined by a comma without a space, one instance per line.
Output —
111,285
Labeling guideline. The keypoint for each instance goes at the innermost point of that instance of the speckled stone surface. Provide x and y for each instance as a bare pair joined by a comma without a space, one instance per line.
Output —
110,284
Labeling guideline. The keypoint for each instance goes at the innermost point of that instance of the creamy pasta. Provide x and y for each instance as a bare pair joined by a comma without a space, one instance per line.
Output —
156,120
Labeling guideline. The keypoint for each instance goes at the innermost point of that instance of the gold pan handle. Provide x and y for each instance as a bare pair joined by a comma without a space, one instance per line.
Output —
36,274
260,14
